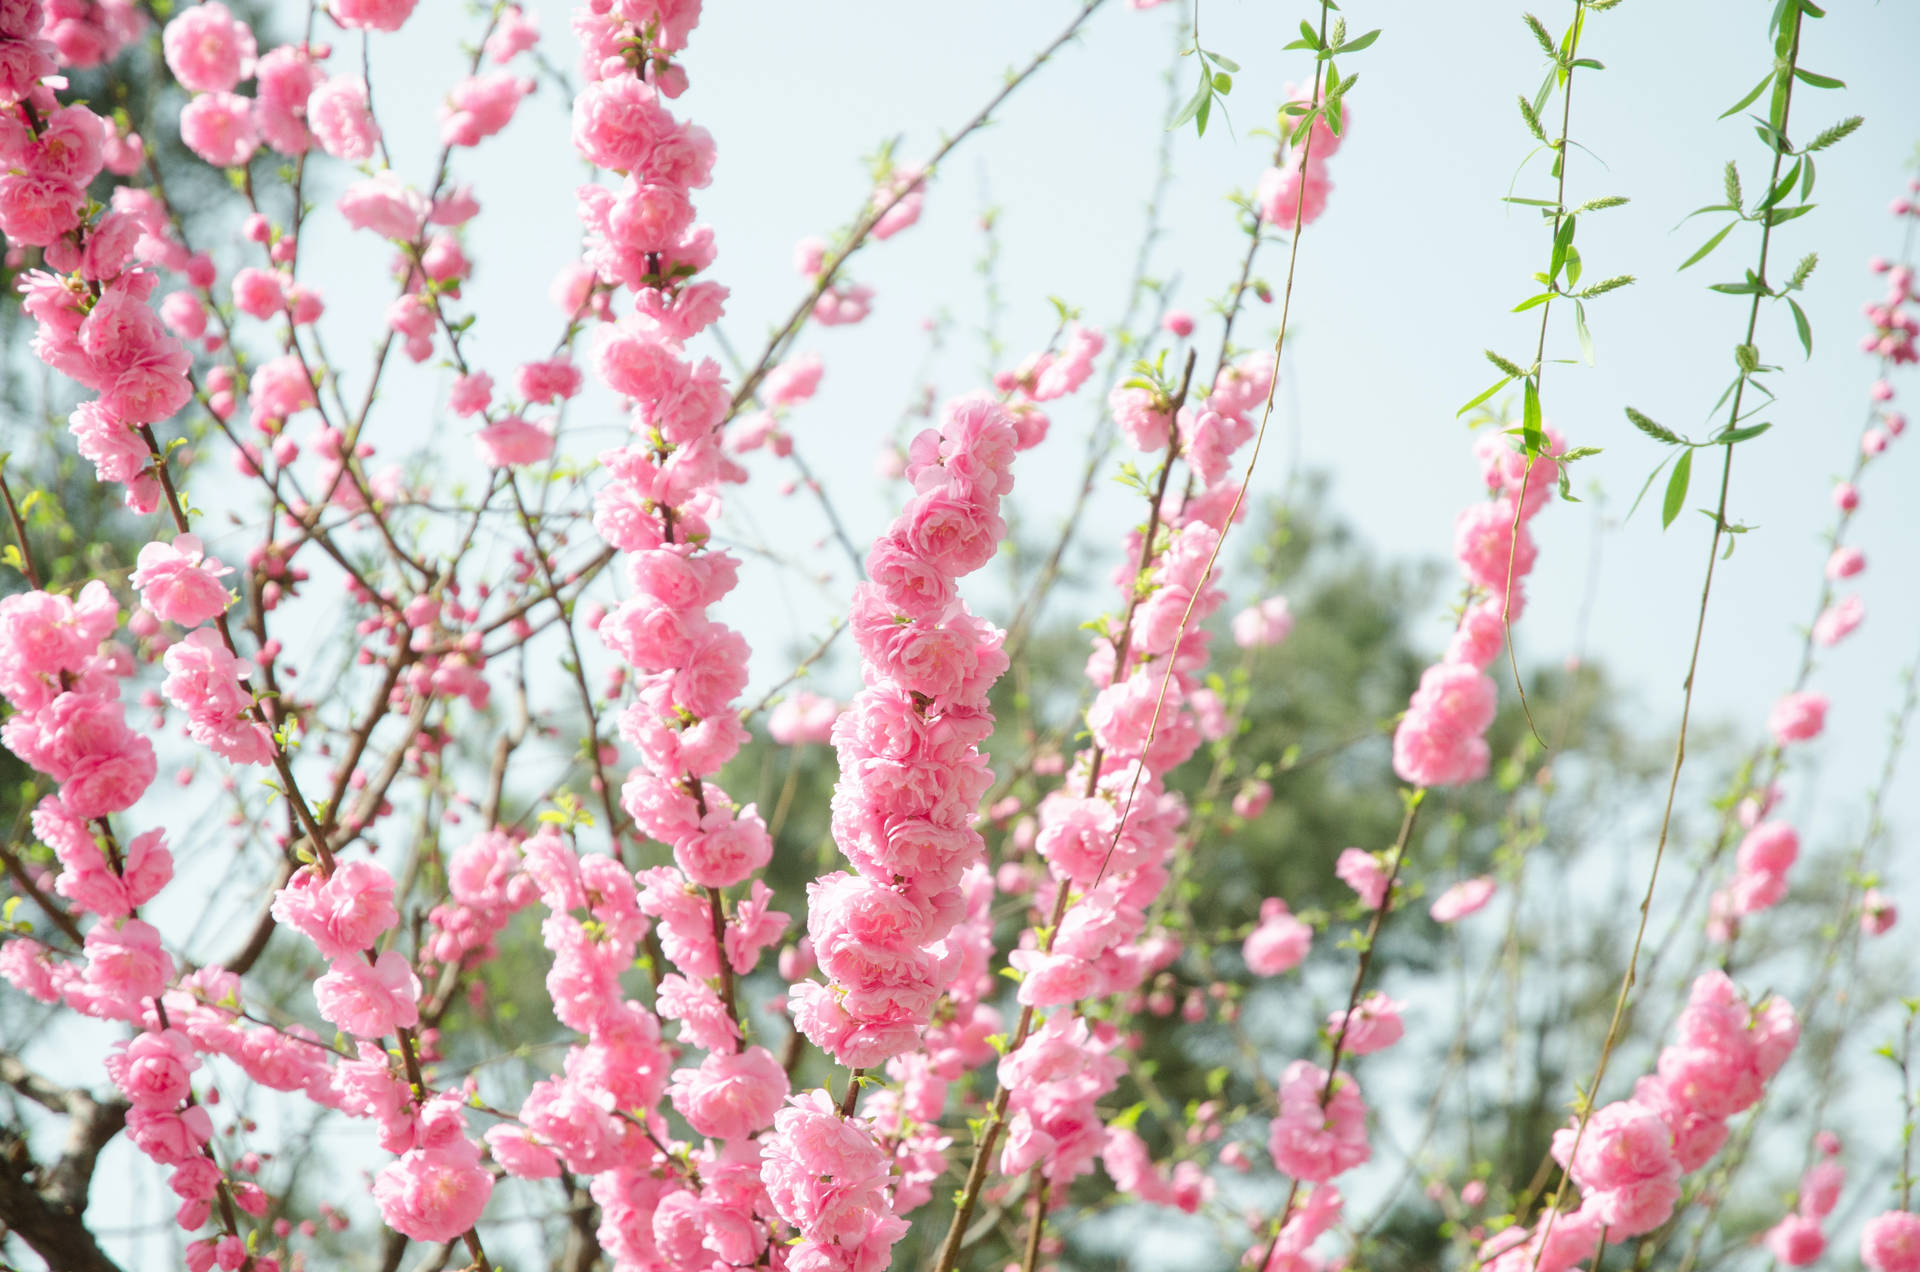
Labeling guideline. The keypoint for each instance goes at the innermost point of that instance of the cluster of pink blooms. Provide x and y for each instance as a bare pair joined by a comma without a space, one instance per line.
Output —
1441,740
61,676
911,773
1629,1159
1797,1240
1769,847
1299,186
1890,1242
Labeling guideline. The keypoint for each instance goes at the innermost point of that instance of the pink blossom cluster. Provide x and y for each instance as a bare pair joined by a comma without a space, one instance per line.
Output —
1299,185
1441,740
841,303
1321,1129
1055,1081
911,772
1797,1240
1890,1242
1894,327
68,721
1106,835
1629,1159
1130,1165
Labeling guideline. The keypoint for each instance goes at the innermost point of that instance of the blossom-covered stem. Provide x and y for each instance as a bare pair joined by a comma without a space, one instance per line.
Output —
1686,705
1124,645
1413,799
830,266
294,798
27,567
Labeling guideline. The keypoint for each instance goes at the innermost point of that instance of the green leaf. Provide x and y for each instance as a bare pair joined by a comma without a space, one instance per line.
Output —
1806,76
1307,33
1580,330
1536,440
1224,63
1573,266
1676,489
1735,289
1744,102
1780,216
1201,116
1531,301
1223,83
1359,42
1706,249
1658,432
1194,103
1801,325
1532,203
1647,485
1735,435
1498,385
1782,188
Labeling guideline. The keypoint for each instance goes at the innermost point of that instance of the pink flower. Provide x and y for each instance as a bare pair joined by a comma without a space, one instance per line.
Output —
372,15
341,119
1312,1143
792,382
1845,563
545,382
180,583
730,1096
219,128
1891,1242
481,106
805,717
343,913
726,849
1365,874
470,393
1877,912
1797,717
1252,799
1796,1241
1292,190
1769,848
1372,1026
1462,899
514,33
1278,942
384,204
1266,623
433,1194
207,49
369,1000
1837,621
170,1137
512,442
152,1069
